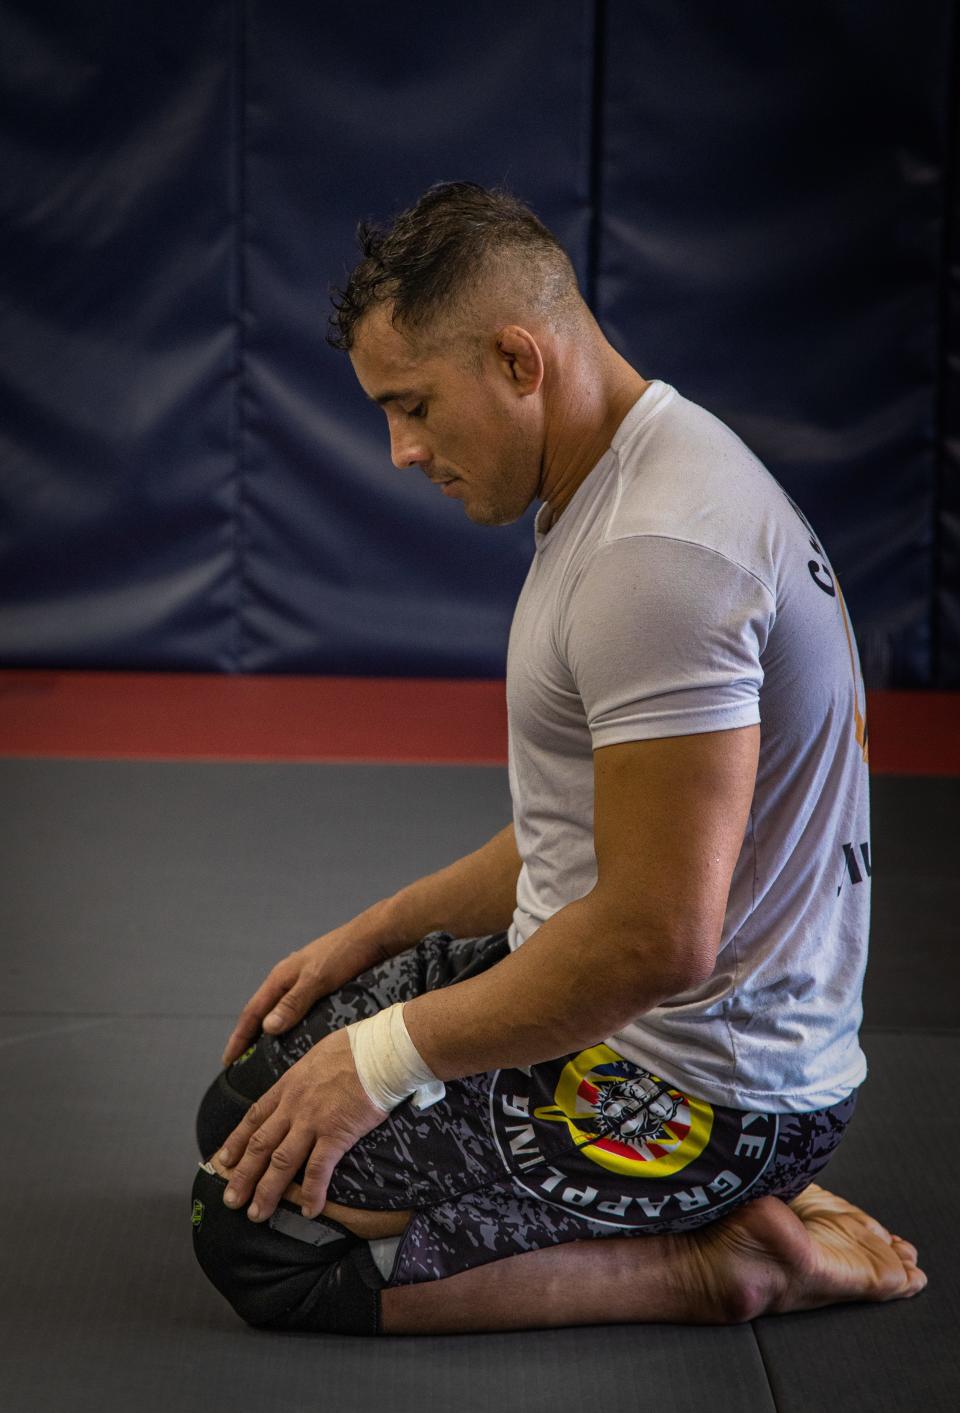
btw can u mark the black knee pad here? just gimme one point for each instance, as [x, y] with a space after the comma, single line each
[230, 1096]
[287, 1273]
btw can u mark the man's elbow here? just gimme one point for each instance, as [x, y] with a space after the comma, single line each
[680, 967]
[662, 957]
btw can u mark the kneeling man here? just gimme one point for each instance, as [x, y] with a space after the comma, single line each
[587, 1073]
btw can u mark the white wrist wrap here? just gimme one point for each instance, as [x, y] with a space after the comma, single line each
[388, 1063]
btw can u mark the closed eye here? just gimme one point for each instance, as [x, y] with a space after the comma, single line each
[419, 411]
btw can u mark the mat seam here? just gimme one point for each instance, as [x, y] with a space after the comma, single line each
[763, 1364]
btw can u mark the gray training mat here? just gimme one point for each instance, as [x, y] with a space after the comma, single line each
[141, 904]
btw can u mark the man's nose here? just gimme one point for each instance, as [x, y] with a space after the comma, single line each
[407, 450]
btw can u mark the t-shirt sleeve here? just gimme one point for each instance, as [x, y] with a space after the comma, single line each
[663, 637]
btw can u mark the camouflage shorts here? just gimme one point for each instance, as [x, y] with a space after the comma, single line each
[511, 1160]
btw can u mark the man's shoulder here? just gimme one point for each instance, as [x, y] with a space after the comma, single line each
[696, 483]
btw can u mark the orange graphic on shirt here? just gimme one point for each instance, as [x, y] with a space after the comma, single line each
[859, 718]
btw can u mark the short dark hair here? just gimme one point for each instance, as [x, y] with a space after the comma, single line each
[437, 250]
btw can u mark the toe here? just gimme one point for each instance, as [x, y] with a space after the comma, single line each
[903, 1245]
[914, 1280]
[905, 1250]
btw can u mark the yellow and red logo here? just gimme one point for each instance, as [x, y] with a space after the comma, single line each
[627, 1120]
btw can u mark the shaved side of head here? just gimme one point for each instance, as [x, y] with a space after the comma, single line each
[462, 263]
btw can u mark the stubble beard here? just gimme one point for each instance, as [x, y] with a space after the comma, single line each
[499, 512]
[509, 500]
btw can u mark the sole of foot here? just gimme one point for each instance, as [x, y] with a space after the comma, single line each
[770, 1257]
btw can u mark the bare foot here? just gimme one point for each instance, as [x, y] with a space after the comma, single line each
[848, 1237]
[770, 1257]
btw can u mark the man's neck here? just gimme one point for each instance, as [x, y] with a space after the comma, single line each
[581, 434]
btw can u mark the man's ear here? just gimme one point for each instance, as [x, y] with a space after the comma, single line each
[520, 359]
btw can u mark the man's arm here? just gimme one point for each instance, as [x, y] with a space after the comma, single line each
[669, 821]
[669, 818]
[472, 896]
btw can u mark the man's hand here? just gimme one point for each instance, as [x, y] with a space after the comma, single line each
[300, 979]
[316, 1111]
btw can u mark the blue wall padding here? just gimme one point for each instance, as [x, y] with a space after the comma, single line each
[770, 244]
[117, 470]
[349, 565]
[754, 198]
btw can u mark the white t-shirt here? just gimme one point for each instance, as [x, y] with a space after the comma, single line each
[682, 591]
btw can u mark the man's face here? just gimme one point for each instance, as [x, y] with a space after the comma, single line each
[469, 430]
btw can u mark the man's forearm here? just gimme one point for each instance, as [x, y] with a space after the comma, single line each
[573, 982]
[475, 895]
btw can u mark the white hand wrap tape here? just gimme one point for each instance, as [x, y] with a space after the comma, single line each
[389, 1065]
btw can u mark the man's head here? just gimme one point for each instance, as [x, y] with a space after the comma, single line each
[440, 263]
[449, 319]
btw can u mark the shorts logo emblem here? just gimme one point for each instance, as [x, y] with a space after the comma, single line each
[627, 1120]
[600, 1136]
[196, 1216]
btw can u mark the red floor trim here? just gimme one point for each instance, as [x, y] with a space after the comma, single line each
[200, 716]
[914, 733]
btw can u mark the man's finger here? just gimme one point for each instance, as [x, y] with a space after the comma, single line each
[289, 1009]
[238, 1042]
[256, 1160]
[284, 1163]
[316, 1179]
[248, 1024]
[236, 1142]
